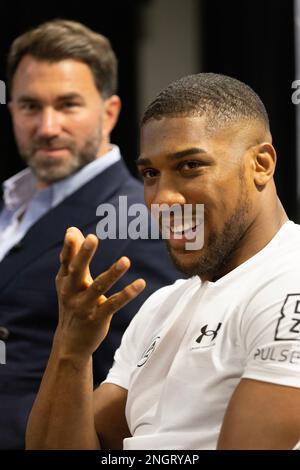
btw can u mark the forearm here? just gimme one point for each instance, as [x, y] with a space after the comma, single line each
[62, 416]
[63, 413]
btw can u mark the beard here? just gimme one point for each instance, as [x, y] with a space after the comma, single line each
[49, 169]
[219, 248]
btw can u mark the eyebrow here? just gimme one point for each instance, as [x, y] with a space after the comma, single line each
[173, 156]
[66, 96]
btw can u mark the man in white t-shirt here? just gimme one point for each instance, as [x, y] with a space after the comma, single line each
[209, 362]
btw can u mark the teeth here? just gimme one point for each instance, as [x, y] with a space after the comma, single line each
[183, 228]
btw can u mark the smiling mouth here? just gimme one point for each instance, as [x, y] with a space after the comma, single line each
[181, 229]
[185, 231]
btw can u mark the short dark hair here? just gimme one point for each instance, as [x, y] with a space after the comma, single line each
[60, 39]
[223, 99]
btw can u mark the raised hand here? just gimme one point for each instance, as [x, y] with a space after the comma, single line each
[85, 312]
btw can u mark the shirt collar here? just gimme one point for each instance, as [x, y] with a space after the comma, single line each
[19, 189]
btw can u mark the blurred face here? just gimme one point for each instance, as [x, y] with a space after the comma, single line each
[60, 120]
[181, 163]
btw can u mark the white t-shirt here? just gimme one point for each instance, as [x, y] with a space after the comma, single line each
[187, 349]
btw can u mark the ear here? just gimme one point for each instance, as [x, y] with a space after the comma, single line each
[264, 162]
[112, 108]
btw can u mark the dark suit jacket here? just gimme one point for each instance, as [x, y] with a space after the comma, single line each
[28, 302]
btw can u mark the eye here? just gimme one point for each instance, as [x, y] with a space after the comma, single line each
[148, 173]
[29, 106]
[190, 166]
[69, 105]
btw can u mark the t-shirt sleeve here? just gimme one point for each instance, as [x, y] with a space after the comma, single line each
[270, 332]
[132, 345]
[125, 356]
[120, 372]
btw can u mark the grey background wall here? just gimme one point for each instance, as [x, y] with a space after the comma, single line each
[169, 45]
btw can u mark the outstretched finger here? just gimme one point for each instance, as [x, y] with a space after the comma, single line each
[72, 242]
[117, 301]
[106, 280]
[79, 272]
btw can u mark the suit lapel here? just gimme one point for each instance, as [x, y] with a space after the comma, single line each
[79, 210]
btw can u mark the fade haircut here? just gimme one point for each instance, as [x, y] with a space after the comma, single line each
[222, 99]
[58, 40]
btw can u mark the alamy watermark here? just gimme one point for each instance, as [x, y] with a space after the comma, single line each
[296, 94]
[2, 352]
[2, 92]
[176, 222]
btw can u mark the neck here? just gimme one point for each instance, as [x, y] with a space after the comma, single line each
[41, 185]
[105, 147]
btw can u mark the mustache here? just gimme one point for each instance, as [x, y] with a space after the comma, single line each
[51, 143]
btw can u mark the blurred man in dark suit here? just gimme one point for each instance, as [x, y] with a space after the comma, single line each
[62, 79]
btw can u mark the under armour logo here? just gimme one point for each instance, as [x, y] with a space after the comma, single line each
[208, 333]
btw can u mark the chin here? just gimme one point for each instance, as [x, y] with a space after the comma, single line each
[55, 172]
[188, 262]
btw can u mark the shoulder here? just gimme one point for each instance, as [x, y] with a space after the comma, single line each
[272, 289]
[277, 271]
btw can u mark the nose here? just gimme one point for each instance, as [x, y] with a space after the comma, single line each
[49, 123]
[167, 192]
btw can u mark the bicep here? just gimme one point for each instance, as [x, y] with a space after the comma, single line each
[109, 410]
[261, 415]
